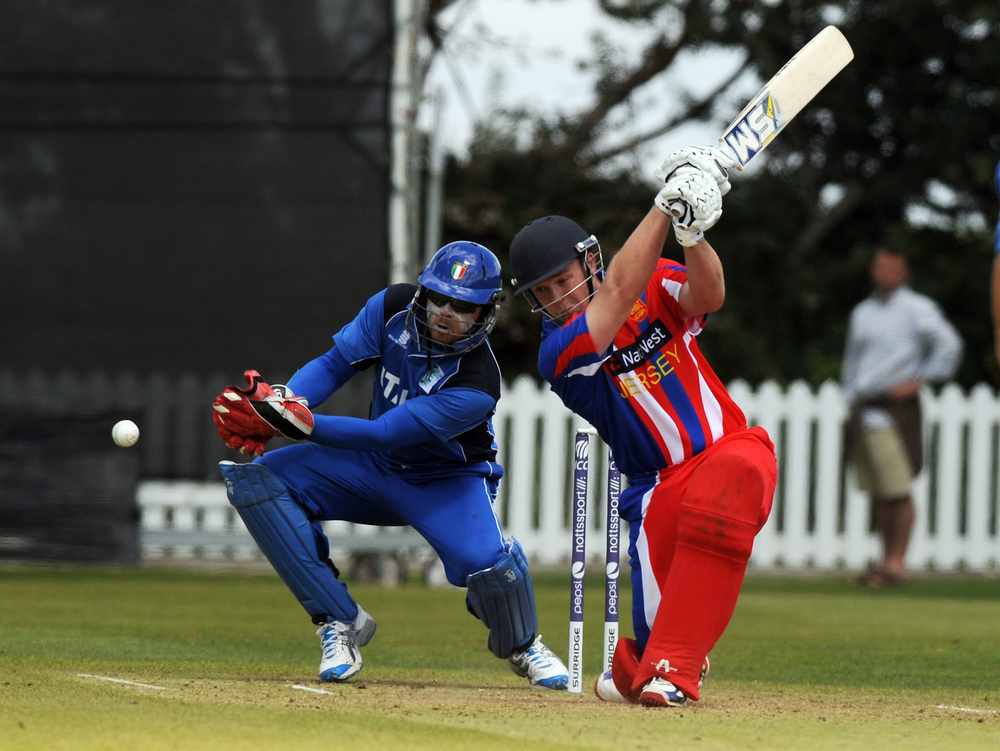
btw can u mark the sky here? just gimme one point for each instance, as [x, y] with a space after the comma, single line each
[524, 52]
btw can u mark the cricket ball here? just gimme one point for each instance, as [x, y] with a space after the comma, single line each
[125, 433]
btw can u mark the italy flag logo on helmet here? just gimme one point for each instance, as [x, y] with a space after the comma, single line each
[458, 269]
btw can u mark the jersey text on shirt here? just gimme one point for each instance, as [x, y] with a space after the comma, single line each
[645, 346]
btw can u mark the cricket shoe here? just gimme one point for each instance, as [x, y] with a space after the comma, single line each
[660, 692]
[364, 628]
[540, 666]
[606, 690]
[340, 642]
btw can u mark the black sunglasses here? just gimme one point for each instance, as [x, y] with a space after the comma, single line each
[459, 306]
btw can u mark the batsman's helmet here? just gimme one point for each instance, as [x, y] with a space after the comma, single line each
[545, 247]
[464, 271]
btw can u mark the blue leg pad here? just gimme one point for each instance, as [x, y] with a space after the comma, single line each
[288, 538]
[503, 598]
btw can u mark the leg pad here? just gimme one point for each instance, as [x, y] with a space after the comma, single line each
[503, 598]
[289, 539]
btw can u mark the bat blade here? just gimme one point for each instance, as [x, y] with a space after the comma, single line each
[783, 97]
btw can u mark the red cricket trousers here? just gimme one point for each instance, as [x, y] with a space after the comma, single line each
[698, 526]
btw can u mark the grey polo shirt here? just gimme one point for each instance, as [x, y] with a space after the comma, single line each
[900, 337]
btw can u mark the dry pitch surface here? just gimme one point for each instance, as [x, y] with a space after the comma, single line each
[226, 662]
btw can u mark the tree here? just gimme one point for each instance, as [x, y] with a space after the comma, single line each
[899, 149]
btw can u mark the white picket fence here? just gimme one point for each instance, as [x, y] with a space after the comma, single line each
[820, 520]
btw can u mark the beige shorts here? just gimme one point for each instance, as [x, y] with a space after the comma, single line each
[884, 469]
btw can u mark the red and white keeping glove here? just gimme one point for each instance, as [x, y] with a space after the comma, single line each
[249, 417]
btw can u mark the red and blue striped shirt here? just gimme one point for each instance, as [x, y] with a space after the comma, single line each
[653, 396]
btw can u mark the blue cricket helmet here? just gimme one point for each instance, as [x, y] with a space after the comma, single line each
[465, 271]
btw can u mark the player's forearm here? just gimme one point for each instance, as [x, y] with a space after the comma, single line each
[396, 429]
[321, 376]
[706, 282]
[636, 261]
[627, 277]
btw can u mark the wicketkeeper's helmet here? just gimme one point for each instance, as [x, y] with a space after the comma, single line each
[465, 271]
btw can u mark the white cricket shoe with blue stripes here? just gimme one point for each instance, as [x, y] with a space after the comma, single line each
[540, 666]
[340, 643]
[661, 692]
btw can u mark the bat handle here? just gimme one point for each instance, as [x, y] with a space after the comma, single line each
[678, 209]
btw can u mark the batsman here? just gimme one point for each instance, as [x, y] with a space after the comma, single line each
[426, 458]
[620, 349]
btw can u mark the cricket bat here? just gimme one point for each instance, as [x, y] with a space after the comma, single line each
[782, 98]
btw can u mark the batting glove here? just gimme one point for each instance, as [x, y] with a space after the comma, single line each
[709, 159]
[693, 201]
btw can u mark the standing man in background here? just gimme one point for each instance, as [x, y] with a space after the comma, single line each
[897, 340]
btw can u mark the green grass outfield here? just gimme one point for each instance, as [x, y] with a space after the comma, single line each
[808, 663]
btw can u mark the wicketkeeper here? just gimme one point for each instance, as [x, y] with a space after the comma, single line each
[426, 458]
[621, 351]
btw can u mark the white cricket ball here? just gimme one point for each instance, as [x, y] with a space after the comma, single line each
[125, 433]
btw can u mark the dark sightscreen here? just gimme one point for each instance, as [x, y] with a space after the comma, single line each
[189, 186]
[68, 493]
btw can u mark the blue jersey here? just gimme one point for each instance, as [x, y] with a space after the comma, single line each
[452, 396]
